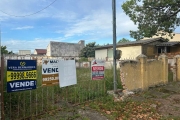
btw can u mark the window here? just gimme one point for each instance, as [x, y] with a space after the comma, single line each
[159, 50]
[168, 50]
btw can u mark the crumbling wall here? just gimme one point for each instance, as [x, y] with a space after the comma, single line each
[142, 74]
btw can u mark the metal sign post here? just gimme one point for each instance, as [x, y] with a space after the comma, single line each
[114, 42]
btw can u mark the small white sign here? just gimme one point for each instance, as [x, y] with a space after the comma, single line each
[67, 73]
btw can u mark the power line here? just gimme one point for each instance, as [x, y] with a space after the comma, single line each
[31, 13]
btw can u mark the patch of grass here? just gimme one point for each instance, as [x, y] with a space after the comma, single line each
[29, 103]
[147, 94]
[165, 96]
[170, 76]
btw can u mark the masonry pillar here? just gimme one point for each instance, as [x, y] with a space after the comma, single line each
[164, 60]
[143, 60]
[177, 68]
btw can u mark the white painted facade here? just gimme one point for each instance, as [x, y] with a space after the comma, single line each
[35, 52]
[101, 54]
[24, 52]
[48, 53]
[130, 52]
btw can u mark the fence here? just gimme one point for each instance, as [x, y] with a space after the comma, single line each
[31, 103]
[1, 91]
[144, 73]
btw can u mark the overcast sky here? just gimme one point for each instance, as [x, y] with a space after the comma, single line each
[64, 21]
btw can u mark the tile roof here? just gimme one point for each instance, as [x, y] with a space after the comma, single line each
[41, 51]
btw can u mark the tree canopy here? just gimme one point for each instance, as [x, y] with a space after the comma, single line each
[153, 17]
[88, 50]
[5, 51]
[123, 40]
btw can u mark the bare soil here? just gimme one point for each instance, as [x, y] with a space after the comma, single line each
[166, 101]
[167, 97]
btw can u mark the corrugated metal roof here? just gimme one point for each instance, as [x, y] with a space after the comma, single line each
[172, 43]
[139, 42]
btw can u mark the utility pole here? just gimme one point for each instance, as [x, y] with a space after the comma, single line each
[114, 42]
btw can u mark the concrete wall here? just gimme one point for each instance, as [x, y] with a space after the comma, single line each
[130, 52]
[101, 54]
[64, 49]
[178, 68]
[48, 53]
[141, 74]
[24, 52]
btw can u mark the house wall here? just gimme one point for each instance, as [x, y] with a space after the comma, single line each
[64, 49]
[175, 49]
[130, 51]
[35, 52]
[24, 52]
[142, 74]
[48, 53]
[101, 54]
[149, 50]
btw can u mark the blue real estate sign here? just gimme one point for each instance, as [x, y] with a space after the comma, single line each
[21, 75]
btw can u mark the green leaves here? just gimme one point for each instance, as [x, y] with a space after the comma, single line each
[123, 40]
[89, 50]
[152, 16]
[5, 51]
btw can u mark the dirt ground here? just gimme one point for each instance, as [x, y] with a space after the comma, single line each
[167, 97]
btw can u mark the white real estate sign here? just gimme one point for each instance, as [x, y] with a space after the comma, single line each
[67, 73]
[50, 73]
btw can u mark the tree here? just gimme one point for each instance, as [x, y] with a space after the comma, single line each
[153, 17]
[89, 50]
[5, 51]
[123, 40]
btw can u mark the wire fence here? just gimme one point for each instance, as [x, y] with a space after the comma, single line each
[31, 103]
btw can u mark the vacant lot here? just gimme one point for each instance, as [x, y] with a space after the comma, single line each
[158, 103]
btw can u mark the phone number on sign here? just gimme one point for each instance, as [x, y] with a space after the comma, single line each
[22, 75]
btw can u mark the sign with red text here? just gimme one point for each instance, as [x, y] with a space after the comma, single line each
[50, 72]
[97, 69]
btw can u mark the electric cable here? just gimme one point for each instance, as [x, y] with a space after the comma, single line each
[31, 13]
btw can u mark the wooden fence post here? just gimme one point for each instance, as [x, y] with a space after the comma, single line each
[2, 87]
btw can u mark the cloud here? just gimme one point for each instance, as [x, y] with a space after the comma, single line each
[99, 24]
[23, 28]
[34, 10]
[37, 43]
